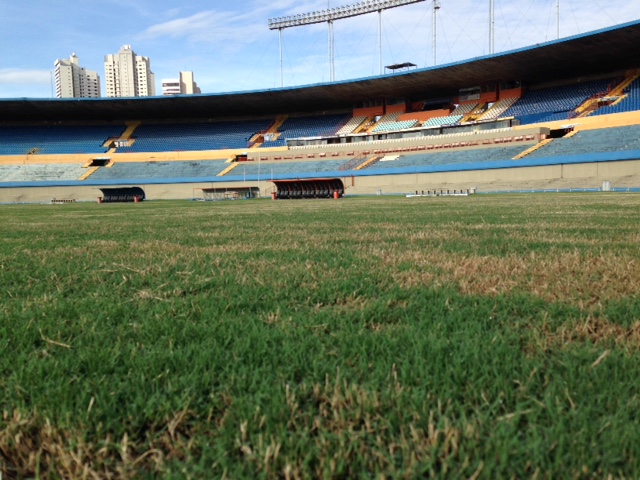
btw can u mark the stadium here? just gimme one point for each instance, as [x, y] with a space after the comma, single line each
[446, 285]
[555, 116]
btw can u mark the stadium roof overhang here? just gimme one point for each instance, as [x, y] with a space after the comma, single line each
[603, 51]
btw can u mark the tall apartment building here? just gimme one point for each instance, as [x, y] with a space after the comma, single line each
[180, 86]
[128, 74]
[73, 81]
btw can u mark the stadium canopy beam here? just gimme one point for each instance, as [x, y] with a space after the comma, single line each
[332, 14]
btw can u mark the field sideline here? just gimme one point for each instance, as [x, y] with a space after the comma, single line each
[492, 336]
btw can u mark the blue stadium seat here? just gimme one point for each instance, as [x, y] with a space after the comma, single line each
[452, 157]
[299, 127]
[286, 168]
[555, 100]
[630, 104]
[40, 172]
[155, 170]
[195, 137]
[592, 141]
[56, 139]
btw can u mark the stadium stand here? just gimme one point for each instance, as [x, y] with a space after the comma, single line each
[195, 136]
[351, 125]
[301, 127]
[629, 104]
[452, 157]
[554, 103]
[286, 168]
[389, 118]
[142, 170]
[394, 126]
[593, 141]
[354, 163]
[497, 109]
[440, 121]
[56, 139]
[464, 109]
[40, 172]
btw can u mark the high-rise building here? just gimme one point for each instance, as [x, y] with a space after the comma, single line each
[128, 74]
[180, 86]
[73, 81]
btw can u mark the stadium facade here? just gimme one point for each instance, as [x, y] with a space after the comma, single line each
[564, 114]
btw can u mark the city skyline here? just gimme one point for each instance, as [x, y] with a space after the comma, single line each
[230, 48]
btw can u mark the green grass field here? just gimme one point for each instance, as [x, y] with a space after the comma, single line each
[481, 337]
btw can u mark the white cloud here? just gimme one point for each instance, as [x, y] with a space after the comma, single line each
[16, 76]
[211, 27]
[241, 27]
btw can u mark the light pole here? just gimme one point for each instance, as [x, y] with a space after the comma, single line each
[558, 19]
[436, 7]
[281, 72]
[491, 26]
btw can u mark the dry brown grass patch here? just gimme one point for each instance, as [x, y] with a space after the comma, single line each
[594, 330]
[585, 280]
[31, 447]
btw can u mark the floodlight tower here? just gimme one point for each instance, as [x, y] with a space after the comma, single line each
[558, 19]
[380, 39]
[436, 7]
[332, 52]
[491, 26]
[281, 76]
[329, 16]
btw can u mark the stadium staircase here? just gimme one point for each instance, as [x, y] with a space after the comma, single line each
[591, 104]
[228, 169]
[384, 120]
[618, 100]
[497, 109]
[619, 92]
[474, 113]
[124, 136]
[131, 127]
[369, 162]
[571, 133]
[88, 173]
[464, 110]
[354, 163]
[365, 126]
[631, 76]
[534, 148]
[258, 139]
[353, 124]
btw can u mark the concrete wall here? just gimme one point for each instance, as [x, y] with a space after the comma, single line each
[583, 175]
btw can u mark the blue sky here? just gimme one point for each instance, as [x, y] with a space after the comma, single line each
[229, 47]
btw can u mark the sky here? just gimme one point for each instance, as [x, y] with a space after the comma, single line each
[229, 47]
